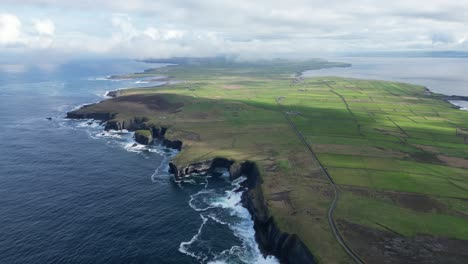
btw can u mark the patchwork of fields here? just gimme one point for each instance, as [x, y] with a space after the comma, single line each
[398, 153]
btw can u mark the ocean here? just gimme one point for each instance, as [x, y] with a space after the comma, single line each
[72, 193]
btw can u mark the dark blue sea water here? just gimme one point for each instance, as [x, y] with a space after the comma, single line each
[70, 193]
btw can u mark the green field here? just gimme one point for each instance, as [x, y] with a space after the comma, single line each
[398, 153]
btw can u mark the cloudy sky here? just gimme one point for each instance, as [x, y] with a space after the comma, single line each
[246, 28]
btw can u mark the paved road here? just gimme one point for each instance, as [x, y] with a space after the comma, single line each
[331, 220]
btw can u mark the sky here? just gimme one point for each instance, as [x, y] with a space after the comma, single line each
[52, 29]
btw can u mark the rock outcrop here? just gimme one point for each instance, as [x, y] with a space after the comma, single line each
[144, 137]
[131, 124]
[113, 93]
[173, 144]
[159, 132]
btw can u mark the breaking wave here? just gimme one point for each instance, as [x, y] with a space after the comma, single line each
[462, 104]
[222, 214]
[121, 138]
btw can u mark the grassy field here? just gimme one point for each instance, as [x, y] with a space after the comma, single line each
[398, 153]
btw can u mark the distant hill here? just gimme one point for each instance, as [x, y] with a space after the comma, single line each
[411, 54]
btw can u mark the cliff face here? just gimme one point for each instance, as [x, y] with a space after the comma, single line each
[96, 116]
[130, 124]
[288, 248]
[199, 167]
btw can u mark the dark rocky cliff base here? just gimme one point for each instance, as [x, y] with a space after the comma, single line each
[288, 248]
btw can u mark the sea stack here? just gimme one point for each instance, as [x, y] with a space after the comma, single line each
[144, 137]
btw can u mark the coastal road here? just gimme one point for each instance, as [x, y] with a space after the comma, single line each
[331, 210]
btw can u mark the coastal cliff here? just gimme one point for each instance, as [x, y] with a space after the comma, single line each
[145, 132]
[288, 248]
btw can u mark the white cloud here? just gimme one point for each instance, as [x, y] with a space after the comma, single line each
[272, 28]
[16, 36]
[10, 29]
[163, 34]
[45, 27]
[124, 23]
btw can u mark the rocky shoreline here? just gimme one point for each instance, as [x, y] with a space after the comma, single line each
[447, 98]
[288, 248]
[454, 98]
[145, 133]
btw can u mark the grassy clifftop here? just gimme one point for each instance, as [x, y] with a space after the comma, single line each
[398, 153]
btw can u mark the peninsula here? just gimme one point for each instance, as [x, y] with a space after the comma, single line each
[339, 170]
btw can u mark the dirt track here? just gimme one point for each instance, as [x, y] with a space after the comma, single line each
[331, 220]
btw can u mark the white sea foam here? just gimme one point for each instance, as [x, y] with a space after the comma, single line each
[198, 201]
[79, 106]
[185, 246]
[163, 167]
[244, 230]
[89, 123]
[102, 94]
[462, 104]
[225, 208]
[98, 79]
[135, 147]
[160, 149]
[216, 219]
